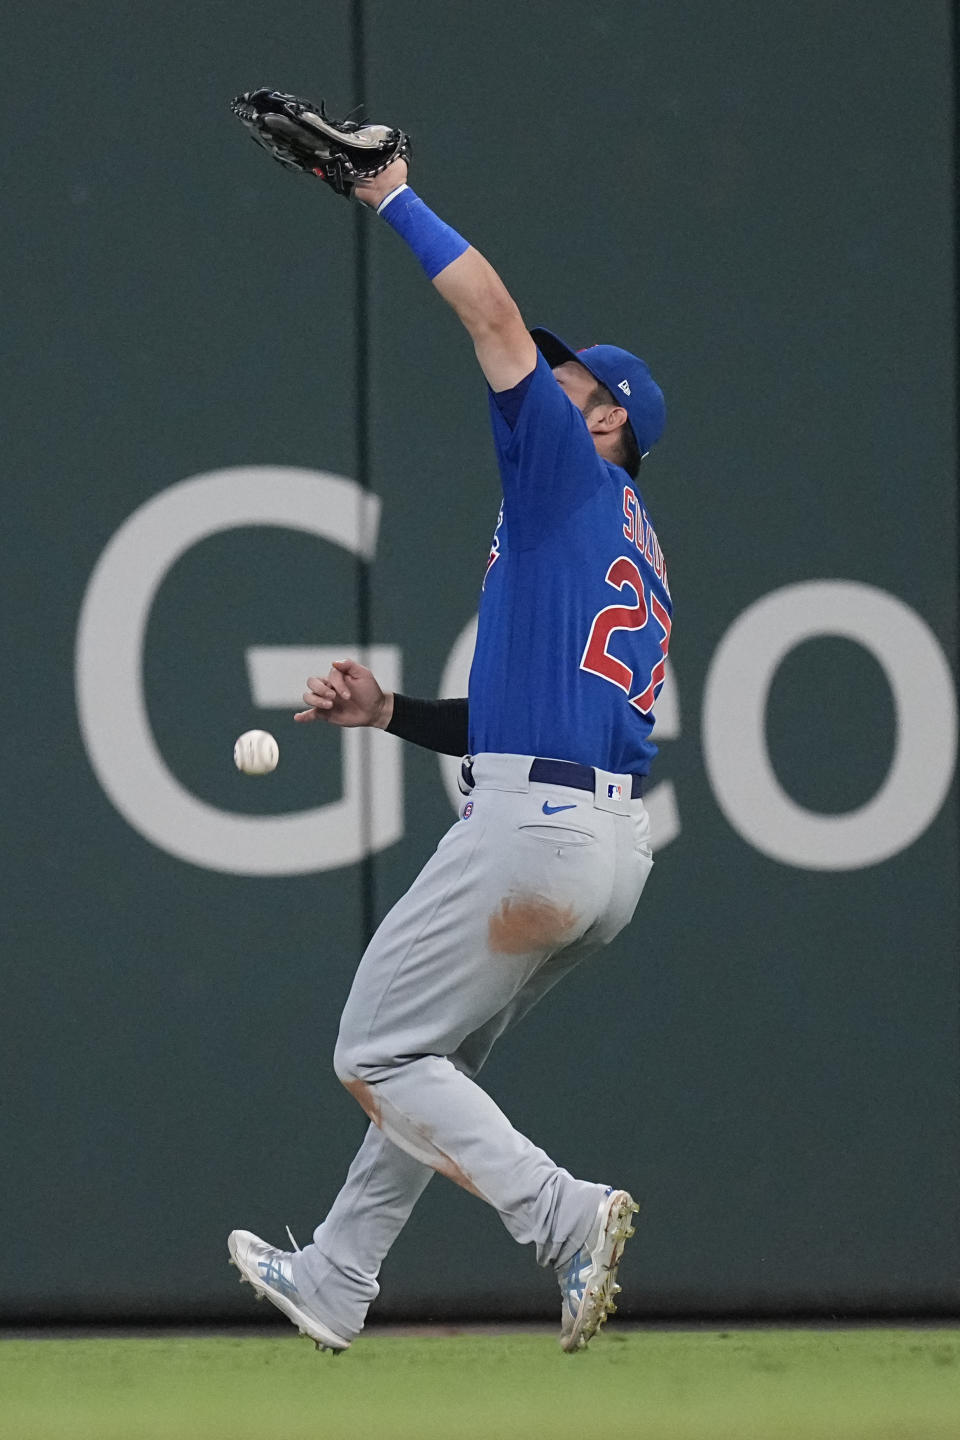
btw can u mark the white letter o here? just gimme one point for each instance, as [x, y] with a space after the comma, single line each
[734, 725]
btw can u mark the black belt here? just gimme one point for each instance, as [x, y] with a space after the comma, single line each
[579, 777]
[565, 772]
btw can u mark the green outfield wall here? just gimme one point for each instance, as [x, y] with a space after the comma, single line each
[242, 436]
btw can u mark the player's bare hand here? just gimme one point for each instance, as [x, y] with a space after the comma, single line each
[371, 192]
[348, 695]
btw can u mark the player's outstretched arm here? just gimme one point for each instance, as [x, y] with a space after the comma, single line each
[466, 280]
[350, 695]
[472, 287]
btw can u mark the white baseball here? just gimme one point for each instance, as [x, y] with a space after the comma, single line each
[256, 752]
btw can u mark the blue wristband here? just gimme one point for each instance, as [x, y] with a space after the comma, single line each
[435, 244]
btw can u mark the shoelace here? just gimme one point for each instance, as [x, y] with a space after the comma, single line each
[292, 1240]
[572, 1284]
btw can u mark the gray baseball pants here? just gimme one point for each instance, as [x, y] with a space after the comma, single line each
[530, 880]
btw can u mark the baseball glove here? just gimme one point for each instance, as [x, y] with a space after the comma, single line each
[303, 137]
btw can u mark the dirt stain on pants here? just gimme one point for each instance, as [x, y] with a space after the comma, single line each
[424, 1149]
[525, 923]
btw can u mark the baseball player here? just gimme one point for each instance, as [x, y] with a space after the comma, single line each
[552, 849]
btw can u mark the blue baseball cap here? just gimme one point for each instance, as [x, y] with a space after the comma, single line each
[626, 376]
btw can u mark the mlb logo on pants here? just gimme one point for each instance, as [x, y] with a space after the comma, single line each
[614, 792]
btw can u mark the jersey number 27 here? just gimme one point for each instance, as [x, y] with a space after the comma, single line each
[625, 574]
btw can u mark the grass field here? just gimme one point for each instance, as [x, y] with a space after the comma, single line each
[878, 1384]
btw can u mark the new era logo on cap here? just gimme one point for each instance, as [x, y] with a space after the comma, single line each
[624, 386]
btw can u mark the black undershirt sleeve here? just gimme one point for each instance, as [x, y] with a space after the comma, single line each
[435, 724]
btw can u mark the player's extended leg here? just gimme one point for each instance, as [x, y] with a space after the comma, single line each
[338, 1272]
[504, 892]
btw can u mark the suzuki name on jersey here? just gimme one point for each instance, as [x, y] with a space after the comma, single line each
[641, 533]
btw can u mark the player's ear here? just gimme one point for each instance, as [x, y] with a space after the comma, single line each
[613, 419]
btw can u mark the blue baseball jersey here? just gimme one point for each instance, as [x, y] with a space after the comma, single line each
[575, 611]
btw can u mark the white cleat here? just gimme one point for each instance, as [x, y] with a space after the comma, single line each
[588, 1281]
[269, 1272]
